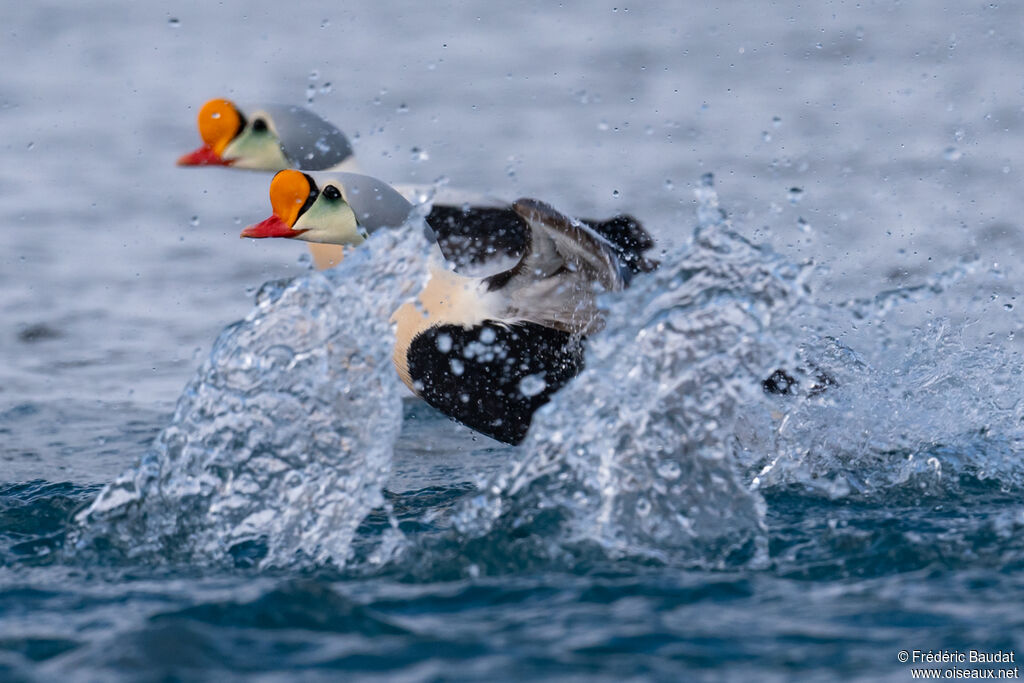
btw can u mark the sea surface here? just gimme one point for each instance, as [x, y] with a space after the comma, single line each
[209, 471]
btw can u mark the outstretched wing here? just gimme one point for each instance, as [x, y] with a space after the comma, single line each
[563, 268]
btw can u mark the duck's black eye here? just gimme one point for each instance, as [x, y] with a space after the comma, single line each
[331, 192]
[259, 125]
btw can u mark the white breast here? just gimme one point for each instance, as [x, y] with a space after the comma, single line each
[447, 299]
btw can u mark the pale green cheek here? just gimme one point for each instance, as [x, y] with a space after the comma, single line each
[256, 151]
[330, 223]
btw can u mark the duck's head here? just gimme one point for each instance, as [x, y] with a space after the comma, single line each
[303, 211]
[270, 138]
[232, 139]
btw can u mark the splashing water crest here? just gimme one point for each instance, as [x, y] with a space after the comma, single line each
[886, 301]
[635, 456]
[912, 408]
[282, 442]
[917, 416]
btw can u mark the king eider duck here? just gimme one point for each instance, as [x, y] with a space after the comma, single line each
[486, 350]
[270, 137]
[469, 236]
[276, 137]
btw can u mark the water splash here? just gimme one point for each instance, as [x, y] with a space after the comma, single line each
[282, 442]
[914, 417]
[913, 409]
[635, 457]
[660, 450]
[884, 302]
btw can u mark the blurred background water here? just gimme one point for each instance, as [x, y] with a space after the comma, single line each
[876, 147]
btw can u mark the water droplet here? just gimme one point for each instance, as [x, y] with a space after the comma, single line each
[794, 195]
[804, 226]
[669, 469]
[669, 185]
[776, 121]
[403, 108]
[324, 23]
[531, 385]
[174, 22]
[215, 115]
[444, 343]
[1008, 307]
[615, 193]
[314, 74]
[326, 88]
[194, 221]
[419, 154]
[457, 367]
[30, 145]
[952, 154]
[707, 180]
[603, 125]
[766, 136]
[488, 335]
